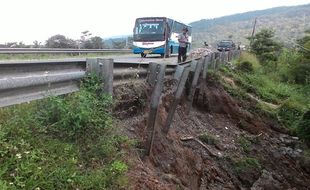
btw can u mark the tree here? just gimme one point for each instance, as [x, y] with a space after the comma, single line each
[16, 45]
[60, 41]
[264, 46]
[301, 70]
[129, 42]
[304, 46]
[119, 44]
[36, 44]
[95, 42]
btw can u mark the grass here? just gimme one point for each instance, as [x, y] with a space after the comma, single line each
[62, 143]
[246, 163]
[208, 138]
[245, 144]
[291, 100]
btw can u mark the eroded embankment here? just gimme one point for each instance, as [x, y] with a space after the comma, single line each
[218, 144]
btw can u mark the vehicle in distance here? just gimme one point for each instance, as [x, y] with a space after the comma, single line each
[226, 45]
[157, 35]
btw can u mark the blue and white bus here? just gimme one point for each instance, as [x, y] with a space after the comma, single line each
[157, 35]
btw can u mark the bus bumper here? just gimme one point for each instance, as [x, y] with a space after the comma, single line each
[159, 50]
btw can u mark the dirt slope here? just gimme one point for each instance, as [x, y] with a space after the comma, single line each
[217, 145]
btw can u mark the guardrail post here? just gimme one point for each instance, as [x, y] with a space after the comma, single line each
[159, 79]
[92, 66]
[178, 72]
[213, 60]
[152, 74]
[193, 66]
[106, 72]
[194, 82]
[216, 60]
[181, 84]
[230, 55]
[222, 58]
[205, 66]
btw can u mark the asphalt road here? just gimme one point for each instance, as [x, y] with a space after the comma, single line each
[149, 58]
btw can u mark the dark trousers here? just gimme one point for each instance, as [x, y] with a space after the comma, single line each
[182, 54]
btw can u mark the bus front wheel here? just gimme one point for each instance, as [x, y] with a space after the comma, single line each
[143, 55]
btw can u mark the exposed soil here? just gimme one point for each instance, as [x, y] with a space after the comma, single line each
[248, 151]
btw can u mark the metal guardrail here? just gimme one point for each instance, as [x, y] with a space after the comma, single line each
[59, 51]
[24, 81]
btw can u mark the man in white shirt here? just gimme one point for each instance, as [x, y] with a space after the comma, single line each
[183, 42]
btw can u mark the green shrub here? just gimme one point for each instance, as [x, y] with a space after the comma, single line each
[207, 138]
[77, 113]
[245, 56]
[62, 143]
[303, 129]
[290, 112]
[301, 73]
[245, 66]
[245, 144]
[246, 163]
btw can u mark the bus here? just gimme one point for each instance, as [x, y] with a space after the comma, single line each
[157, 35]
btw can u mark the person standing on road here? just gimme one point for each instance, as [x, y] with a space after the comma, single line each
[183, 43]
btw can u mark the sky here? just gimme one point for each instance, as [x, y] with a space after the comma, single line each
[30, 20]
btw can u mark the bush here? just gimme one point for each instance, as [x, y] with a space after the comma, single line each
[290, 113]
[77, 113]
[245, 66]
[303, 129]
[207, 138]
[246, 164]
[62, 143]
[244, 143]
[301, 73]
[250, 58]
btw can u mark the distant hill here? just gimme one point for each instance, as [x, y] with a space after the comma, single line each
[289, 24]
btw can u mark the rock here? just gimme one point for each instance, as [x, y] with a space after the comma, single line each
[219, 155]
[295, 138]
[305, 164]
[299, 150]
[219, 146]
[276, 154]
[289, 141]
[266, 182]
[171, 178]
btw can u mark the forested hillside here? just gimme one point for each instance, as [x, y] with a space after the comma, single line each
[289, 23]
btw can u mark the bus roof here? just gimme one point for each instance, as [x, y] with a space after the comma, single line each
[165, 19]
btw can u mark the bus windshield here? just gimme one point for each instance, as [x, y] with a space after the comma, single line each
[149, 29]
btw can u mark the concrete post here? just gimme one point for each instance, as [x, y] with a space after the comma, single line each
[155, 98]
[106, 73]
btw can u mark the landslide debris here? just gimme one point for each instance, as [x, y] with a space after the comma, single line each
[218, 144]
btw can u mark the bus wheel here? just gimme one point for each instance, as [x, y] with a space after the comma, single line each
[162, 55]
[143, 55]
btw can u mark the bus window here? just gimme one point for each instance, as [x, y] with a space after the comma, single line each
[149, 29]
